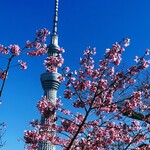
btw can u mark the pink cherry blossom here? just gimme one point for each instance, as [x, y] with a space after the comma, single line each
[67, 69]
[3, 50]
[28, 44]
[66, 112]
[61, 50]
[35, 123]
[79, 104]
[3, 75]
[15, 50]
[43, 32]
[147, 52]
[79, 118]
[41, 35]
[46, 108]
[133, 70]
[68, 94]
[61, 78]
[32, 137]
[111, 71]
[102, 84]
[144, 64]
[136, 125]
[137, 59]
[39, 52]
[22, 64]
[53, 62]
[37, 45]
[126, 42]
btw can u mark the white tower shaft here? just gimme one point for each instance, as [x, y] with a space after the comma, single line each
[49, 80]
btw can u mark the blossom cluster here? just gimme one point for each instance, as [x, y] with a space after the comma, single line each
[15, 50]
[40, 49]
[3, 49]
[46, 107]
[38, 44]
[32, 137]
[22, 64]
[53, 62]
[42, 34]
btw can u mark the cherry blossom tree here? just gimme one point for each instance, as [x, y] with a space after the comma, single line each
[37, 47]
[11, 56]
[111, 110]
[108, 109]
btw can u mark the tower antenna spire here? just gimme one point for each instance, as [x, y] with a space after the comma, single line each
[55, 22]
[54, 36]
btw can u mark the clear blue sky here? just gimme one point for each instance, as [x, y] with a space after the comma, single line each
[98, 23]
